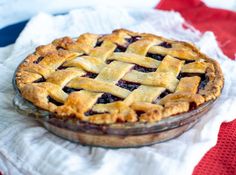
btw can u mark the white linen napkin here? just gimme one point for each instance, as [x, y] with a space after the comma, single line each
[27, 148]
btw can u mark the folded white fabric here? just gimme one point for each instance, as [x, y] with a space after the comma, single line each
[28, 148]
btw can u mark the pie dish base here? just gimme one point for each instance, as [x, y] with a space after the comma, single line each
[112, 141]
[115, 136]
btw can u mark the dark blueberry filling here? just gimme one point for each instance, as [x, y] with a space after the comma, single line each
[128, 85]
[54, 101]
[38, 60]
[192, 105]
[99, 43]
[163, 94]
[130, 40]
[139, 113]
[133, 39]
[120, 48]
[69, 90]
[90, 75]
[91, 112]
[182, 75]
[204, 81]
[144, 69]
[42, 79]
[61, 67]
[59, 47]
[165, 44]
[189, 61]
[155, 56]
[109, 61]
[108, 98]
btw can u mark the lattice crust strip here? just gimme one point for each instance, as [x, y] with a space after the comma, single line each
[121, 77]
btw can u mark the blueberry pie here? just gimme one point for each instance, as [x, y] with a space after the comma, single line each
[122, 77]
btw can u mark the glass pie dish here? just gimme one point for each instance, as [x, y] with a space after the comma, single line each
[112, 135]
[124, 89]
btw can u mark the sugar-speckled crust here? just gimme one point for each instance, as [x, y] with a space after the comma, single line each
[65, 61]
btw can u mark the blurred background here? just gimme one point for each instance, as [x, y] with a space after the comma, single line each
[12, 11]
[14, 15]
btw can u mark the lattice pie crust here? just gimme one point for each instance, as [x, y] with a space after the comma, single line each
[119, 77]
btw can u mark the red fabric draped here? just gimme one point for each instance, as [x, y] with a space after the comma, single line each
[221, 22]
[221, 159]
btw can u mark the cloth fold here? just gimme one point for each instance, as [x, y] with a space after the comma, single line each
[28, 148]
[221, 22]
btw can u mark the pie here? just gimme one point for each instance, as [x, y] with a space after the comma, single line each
[122, 77]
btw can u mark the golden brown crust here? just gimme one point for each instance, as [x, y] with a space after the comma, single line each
[39, 77]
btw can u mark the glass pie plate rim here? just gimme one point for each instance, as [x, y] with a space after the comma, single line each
[136, 128]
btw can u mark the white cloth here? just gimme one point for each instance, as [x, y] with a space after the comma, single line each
[28, 148]
[24, 9]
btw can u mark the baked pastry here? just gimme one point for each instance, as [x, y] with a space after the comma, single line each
[123, 77]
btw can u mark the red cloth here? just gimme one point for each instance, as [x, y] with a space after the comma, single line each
[196, 13]
[221, 159]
